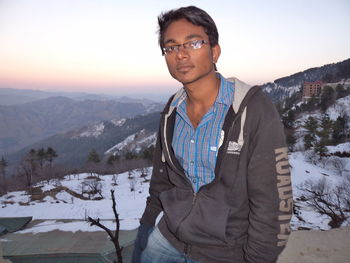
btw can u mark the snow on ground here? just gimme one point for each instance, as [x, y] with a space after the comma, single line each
[340, 107]
[51, 225]
[343, 147]
[130, 205]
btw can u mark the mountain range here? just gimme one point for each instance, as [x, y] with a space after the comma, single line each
[25, 124]
[73, 146]
[10, 96]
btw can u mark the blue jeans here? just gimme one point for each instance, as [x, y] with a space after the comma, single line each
[159, 250]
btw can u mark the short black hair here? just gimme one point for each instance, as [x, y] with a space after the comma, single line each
[193, 15]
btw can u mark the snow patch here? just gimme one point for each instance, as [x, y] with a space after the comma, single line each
[93, 131]
[118, 123]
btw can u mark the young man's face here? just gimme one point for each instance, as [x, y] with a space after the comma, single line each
[189, 65]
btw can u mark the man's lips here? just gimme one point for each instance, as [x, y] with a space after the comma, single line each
[184, 68]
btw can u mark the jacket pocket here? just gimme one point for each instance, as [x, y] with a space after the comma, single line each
[206, 222]
[177, 204]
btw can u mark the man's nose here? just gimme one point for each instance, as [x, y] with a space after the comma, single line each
[182, 53]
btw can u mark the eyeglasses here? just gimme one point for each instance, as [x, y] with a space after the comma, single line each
[190, 45]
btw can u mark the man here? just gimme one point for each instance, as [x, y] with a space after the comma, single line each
[220, 173]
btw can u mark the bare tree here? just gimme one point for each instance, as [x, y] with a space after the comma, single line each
[113, 235]
[28, 167]
[91, 187]
[338, 164]
[114, 179]
[133, 183]
[326, 200]
[130, 174]
[345, 189]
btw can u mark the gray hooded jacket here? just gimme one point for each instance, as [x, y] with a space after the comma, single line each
[243, 215]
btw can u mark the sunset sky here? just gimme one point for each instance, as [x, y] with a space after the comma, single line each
[110, 46]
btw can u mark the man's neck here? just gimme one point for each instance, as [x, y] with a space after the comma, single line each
[203, 92]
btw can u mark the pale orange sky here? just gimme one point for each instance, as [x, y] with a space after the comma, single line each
[111, 46]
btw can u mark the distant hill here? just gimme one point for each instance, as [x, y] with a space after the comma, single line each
[13, 99]
[25, 124]
[73, 146]
[286, 86]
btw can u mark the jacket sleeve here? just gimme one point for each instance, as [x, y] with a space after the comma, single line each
[269, 187]
[159, 183]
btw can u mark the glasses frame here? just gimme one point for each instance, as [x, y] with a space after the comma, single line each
[190, 45]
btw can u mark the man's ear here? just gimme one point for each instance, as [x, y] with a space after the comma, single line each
[216, 51]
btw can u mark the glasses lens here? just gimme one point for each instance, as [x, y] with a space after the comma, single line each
[196, 44]
[171, 49]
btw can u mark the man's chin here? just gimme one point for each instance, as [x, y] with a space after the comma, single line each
[189, 77]
[189, 80]
[184, 79]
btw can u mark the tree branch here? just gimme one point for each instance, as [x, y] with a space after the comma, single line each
[114, 236]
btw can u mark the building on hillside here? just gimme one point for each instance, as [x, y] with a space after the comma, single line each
[312, 89]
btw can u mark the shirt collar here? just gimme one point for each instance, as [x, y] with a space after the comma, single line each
[225, 95]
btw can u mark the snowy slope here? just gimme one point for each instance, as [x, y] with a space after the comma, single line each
[134, 143]
[302, 171]
[93, 131]
[341, 107]
[130, 205]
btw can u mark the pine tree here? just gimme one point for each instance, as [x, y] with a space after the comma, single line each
[111, 159]
[308, 141]
[41, 157]
[311, 126]
[340, 91]
[50, 155]
[3, 185]
[339, 129]
[148, 153]
[320, 148]
[3, 165]
[327, 97]
[130, 155]
[326, 129]
[290, 141]
[93, 157]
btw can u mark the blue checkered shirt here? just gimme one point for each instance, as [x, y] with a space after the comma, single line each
[197, 149]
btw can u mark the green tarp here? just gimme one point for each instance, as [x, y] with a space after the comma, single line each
[65, 247]
[12, 224]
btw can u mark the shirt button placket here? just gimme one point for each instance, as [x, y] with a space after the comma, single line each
[192, 150]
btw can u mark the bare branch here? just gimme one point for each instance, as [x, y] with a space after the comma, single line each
[114, 236]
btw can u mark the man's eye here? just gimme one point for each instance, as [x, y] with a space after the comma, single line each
[171, 48]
